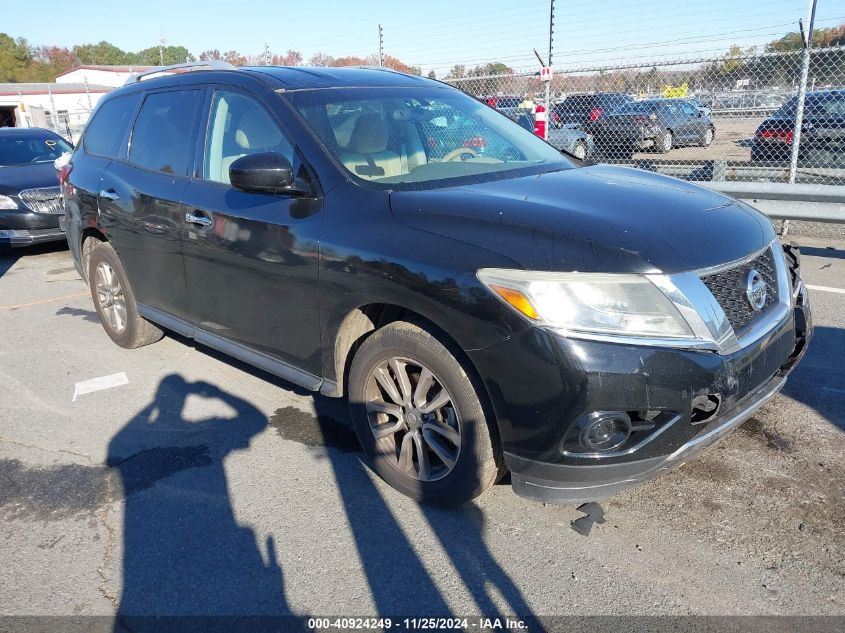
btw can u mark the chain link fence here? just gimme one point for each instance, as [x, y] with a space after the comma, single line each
[733, 117]
[68, 124]
[729, 118]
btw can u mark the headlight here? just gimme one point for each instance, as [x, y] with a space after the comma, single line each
[607, 304]
[8, 203]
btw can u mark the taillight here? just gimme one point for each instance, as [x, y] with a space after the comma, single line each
[477, 142]
[784, 136]
[595, 113]
[64, 173]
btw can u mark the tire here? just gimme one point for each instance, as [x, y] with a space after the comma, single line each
[707, 138]
[664, 142]
[412, 438]
[115, 302]
[580, 150]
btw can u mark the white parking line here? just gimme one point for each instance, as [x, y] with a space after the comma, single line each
[840, 291]
[98, 384]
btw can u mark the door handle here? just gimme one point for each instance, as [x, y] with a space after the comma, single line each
[197, 219]
[109, 194]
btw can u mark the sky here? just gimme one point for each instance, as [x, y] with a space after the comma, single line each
[434, 34]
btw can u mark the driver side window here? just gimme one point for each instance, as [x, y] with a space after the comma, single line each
[239, 126]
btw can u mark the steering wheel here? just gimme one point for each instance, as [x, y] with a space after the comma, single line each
[459, 151]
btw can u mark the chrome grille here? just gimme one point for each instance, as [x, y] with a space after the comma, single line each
[729, 288]
[43, 200]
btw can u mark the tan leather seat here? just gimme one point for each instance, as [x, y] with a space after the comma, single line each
[255, 133]
[367, 155]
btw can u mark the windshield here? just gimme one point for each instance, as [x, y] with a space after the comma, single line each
[421, 137]
[29, 150]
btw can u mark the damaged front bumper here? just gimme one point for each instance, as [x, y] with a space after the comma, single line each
[552, 383]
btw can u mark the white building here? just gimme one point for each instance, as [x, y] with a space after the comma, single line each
[62, 107]
[113, 76]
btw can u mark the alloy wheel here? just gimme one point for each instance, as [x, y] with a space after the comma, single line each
[413, 419]
[110, 297]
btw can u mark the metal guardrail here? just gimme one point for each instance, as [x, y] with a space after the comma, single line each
[783, 201]
[820, 198]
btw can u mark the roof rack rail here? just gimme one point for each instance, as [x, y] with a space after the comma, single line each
[211, 64]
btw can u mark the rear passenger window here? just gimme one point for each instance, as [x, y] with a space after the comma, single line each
[107, 129]
[162, 136]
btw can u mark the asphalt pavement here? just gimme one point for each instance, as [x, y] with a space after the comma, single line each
[196, 485]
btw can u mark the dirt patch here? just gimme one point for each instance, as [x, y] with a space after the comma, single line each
[766, 434]
[51, 493]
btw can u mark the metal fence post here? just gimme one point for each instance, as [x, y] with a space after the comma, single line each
[53, 116]
[802, 91]
[548, 99]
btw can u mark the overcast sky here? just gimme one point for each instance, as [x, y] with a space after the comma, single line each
[434, 34]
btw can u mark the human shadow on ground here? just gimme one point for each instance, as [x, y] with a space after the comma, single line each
[187, 563]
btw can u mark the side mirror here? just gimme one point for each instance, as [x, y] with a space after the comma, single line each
[267, 172]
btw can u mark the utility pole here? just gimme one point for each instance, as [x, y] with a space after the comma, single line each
[549, 83]
[802, 89]
[266, 54]
[380, 46]
[161, 42]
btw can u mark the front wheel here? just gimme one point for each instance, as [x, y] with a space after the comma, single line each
[580, 150]
[708, 137]
[419, 417]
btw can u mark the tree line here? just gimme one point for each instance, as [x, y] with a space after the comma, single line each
[20, 61]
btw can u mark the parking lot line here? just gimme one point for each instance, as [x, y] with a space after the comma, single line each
[99, 384]
[840, 291]
[35, 303]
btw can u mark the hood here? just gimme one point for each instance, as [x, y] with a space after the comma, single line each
[601, 218]
[17, 177]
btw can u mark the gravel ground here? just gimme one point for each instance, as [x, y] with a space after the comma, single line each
[204, 487]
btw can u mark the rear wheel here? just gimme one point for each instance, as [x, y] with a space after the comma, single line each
[115, 302]
[419, 418]
[580, 150]
[663, 142]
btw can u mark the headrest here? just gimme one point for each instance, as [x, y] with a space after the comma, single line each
[256, 131]
[369, 135]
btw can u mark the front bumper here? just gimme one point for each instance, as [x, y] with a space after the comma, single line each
[538, 406]
[572, 484]
[21, 228]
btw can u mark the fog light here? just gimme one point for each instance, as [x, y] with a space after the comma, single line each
[605, 431]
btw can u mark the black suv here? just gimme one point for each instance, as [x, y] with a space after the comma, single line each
[586, 110]
[585, 327]
[657, 123]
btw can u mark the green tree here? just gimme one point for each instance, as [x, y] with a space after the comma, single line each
[153, 55]
[458, 71]
[104, 53]
[15, 58]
